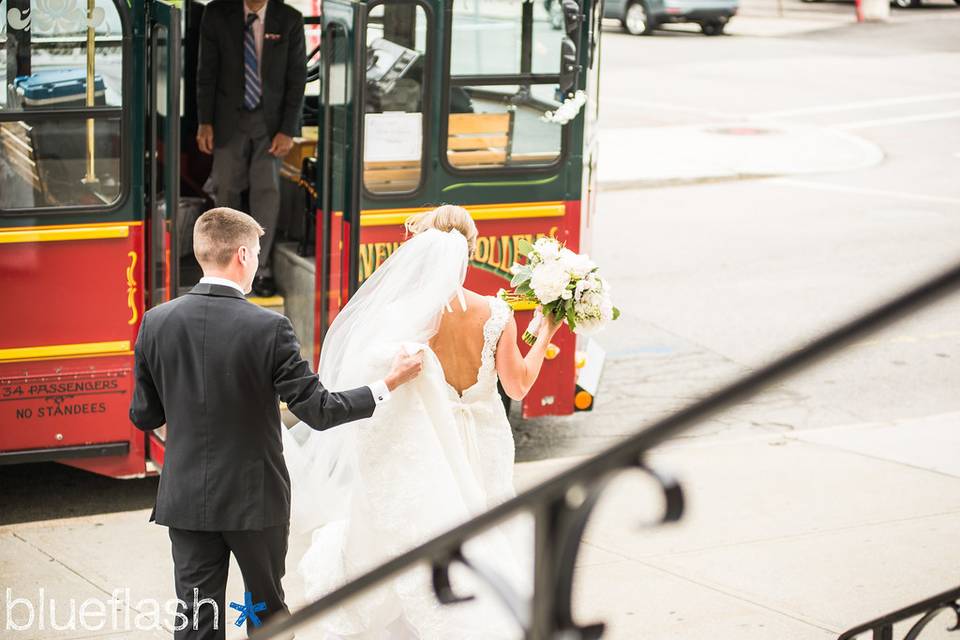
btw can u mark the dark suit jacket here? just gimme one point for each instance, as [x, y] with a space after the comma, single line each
[211, 366]
[220, 71]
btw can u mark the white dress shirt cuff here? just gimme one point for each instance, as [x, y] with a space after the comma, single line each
[380, 392]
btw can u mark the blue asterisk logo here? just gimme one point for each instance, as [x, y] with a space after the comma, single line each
[248, 610]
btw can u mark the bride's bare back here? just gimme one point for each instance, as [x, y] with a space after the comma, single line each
[459, 340]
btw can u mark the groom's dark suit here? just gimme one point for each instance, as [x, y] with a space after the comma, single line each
[211, 366]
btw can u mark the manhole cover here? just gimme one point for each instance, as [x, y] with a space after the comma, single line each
[743, 131]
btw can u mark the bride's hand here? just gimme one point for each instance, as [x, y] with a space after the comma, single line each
[548, 326]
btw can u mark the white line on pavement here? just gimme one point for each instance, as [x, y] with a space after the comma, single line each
[853, 106]
[823, 186]
[884, 122]
[666, 106]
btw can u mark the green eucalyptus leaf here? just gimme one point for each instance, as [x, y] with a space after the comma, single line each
[524, 247]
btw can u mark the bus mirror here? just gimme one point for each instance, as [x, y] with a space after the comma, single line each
[569, 68]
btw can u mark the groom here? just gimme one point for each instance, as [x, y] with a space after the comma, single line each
[211, 366]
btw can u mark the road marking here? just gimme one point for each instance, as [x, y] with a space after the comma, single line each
[666, 106]
[903, 195]
[854, 106]
[884, 122]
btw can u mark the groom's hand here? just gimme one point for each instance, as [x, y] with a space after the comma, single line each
[405, 368]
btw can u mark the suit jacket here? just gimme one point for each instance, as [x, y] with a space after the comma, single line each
[212, 366]
[220, 70]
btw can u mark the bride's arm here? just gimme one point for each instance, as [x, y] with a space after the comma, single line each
[518, 372]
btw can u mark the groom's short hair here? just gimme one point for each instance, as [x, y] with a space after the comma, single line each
[219, 232]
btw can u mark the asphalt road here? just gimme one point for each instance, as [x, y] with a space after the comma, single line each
[716, 278]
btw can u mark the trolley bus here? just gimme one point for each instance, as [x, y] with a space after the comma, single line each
[409, 104]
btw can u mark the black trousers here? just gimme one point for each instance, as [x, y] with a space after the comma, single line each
[243, 164]
[201, 560]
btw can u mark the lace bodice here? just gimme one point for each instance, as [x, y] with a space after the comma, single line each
[500, 313]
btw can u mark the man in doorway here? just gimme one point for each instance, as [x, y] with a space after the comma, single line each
[250, 85]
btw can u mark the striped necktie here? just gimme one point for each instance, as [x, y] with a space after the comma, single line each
[252, 90]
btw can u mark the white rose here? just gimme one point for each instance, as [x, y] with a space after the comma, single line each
[592, 299]
[581, 265]
[582, 285]
[548, 248]
[606, 309]
[589, 326]
[549, 281]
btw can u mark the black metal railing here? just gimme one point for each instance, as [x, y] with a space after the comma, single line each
[882, 628]
[562, 505]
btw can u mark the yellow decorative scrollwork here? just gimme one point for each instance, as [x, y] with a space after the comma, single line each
[132, 289]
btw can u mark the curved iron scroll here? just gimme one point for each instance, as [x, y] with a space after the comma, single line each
[570, 519]
[508, 596]
[882, 628]
[567, 522]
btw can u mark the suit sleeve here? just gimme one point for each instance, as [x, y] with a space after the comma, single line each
[300, 388]
[295, 81]
[208, 67]
[146, 408]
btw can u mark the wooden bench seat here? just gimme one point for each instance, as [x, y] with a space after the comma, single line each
[477, 140]
[392, 176]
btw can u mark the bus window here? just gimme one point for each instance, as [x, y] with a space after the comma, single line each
[501, 127]
[397, 36]
[48, 160]
[487, 39]
[504, 76]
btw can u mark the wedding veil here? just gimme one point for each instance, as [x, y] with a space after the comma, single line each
[400, 304]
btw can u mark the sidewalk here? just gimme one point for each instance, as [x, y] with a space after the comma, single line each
[726, 150]
[786, 536]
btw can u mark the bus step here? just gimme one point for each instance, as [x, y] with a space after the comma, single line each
[274, 303]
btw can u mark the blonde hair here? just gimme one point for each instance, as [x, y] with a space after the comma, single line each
[219, 232]
[446, 217]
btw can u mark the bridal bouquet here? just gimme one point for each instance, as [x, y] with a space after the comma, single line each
[565, 284]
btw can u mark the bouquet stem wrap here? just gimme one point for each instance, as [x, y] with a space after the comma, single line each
[530, 335]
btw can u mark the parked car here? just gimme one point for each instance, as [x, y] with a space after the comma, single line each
[901, 4]
[640, 17]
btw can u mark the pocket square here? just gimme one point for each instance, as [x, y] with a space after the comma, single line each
[271, 36]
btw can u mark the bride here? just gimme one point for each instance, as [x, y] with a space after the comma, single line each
[438, 452]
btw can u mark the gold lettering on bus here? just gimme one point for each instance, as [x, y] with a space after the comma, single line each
[495, 254]
[372, 255]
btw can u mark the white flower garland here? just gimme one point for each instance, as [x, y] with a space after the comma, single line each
[566, 111]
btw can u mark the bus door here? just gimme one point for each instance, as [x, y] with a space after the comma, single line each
[163, 170]
[340, 161]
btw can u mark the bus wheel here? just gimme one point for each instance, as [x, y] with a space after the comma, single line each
[907, 4]
[712, 28]
[636, 20]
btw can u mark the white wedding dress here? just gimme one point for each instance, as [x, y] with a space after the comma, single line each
[426, 461]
